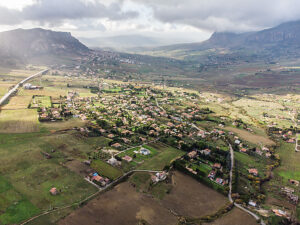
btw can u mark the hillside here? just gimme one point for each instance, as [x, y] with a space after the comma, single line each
[22, 45]
[272, 43]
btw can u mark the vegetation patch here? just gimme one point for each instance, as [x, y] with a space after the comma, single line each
[106, 170]
[19, 121]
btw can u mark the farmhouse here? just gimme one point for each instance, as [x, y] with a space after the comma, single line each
[53, 191]
[127, 158]
[253, 171]
[192, 154]
[144, 151]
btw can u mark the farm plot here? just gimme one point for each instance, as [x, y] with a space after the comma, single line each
[266, 111]
[18, 102]
[139, 158]
[190, 198]
[28, 176]
[14, 202]
[250, 137]
[105, 169]
[40, 101]
[133, 207]
[130, 206]
[166, 154]
[248, 162]
[19, 121]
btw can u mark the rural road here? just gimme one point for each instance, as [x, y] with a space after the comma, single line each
[15, 88]
[230, 189]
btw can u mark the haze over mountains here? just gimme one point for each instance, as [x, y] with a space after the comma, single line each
[123, 42]
[284, 35]
[21, 44]
[282, 40]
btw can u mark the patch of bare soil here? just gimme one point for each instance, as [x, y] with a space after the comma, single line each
[123, 205]
[190, 198]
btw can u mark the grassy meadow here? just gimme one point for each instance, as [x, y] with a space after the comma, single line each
[19, 121]
[27, 176]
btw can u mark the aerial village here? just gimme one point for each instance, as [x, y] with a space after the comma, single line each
[133, 116]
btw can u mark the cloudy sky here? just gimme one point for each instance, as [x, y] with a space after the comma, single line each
[173, 20]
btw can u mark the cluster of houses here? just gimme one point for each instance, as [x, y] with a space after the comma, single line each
[50, 114]
[97, 179]
[127, 112]
[216, 167]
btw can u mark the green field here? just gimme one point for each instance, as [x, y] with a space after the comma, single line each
[26, 176]
[98, 141]
[139, 158]
[248, 162]
[290, 166]
[166, 154]
[41, 101]
[19, 121]
[106, 170]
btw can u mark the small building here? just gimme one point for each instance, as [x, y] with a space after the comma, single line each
[253, 171]
[217, 166]
[127, 158]
[53, 191]
[243, 150]
[205, 151]
[159, 177]
[252, 203]
[192, 154]
[212, 174]
[96, 177]
[116, 145]
[145, 151]
[113, 161]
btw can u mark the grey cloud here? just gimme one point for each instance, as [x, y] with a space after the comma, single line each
[8, 16]
[225, 15]
[56, 11]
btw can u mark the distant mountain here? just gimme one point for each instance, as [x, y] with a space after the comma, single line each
[123, 42]
[28, 44]
[275, 42]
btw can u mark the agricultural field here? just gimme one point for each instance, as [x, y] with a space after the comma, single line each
[132, 206]
[289, 169]
[19, 121]
[137, 157]
[166, 154]
[257, 139]
[106, 170]
[248, 162]
[268, 112]
[30, 175]
[17, 102]
[40, 101]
